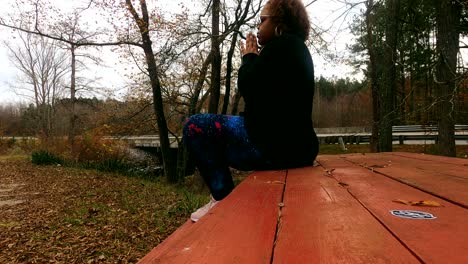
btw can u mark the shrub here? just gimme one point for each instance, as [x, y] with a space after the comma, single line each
[91, 150]
[111, 165]
[43, 157]
[94, 147]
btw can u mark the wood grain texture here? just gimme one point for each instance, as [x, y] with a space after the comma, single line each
[438, 159]
[337, 213]
[322, 223]
[240, 229]
[436, 177]
[440, 240]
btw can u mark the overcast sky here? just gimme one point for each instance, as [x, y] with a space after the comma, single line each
[323, 13]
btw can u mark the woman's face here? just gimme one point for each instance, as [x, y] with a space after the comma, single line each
[266, 27]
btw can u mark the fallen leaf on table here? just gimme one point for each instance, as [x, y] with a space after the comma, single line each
[418, 203]
[276, 182]
[402, 201]
[329, 172]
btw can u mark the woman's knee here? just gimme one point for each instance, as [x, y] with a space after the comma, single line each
[192, 126]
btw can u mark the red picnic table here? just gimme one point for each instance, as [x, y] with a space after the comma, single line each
[353, 208]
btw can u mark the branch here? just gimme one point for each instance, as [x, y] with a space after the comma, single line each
[132, 10]
[75, 43]
[144, 11]
[307, 5]
[145, 72]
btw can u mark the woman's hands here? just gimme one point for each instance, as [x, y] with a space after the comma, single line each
[251, 45]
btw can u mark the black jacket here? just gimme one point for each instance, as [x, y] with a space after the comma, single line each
[278, 90]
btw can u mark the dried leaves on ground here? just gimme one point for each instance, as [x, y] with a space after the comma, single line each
[67, 215]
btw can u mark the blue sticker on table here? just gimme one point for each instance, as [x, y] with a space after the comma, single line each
[410, 214]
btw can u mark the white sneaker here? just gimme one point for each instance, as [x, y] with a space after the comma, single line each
[195, 216]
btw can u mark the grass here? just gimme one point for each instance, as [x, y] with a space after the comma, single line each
[12, 157]
[81, 215]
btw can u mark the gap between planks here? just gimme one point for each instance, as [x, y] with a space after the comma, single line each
[405, 182]
[384, 225]
[278, 220]
[330, 174]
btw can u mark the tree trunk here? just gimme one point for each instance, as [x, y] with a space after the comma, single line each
[215, 85]
[72, 129]
[169, 169]
[374, 139]
[199, 86]
[235, 104]
[448, 20]
[239, 21]
[317, 106]
[227, 93]
[184, 164]
[388, 88]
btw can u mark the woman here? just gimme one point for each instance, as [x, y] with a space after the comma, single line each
[276, 81]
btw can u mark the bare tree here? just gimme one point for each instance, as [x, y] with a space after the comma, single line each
[71, 31]
[232, 15]
[240, 16]
[142, 21]
[43, 66]
[215, 88]
[67, 34]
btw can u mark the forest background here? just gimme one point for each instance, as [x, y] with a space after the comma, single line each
[408, 56]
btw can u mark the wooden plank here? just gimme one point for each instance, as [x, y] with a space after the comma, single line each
[440, 240]
[448, 160]
[322, 223]
[240, 229]
[442, 179]
[434, 166]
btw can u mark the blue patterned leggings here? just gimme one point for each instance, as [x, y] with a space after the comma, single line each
[217, 142]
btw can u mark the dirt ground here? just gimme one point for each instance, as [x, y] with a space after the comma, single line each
[65, 215]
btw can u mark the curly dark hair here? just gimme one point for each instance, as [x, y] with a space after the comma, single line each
[291, 17]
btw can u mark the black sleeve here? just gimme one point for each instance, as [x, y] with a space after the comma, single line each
[256, 69]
